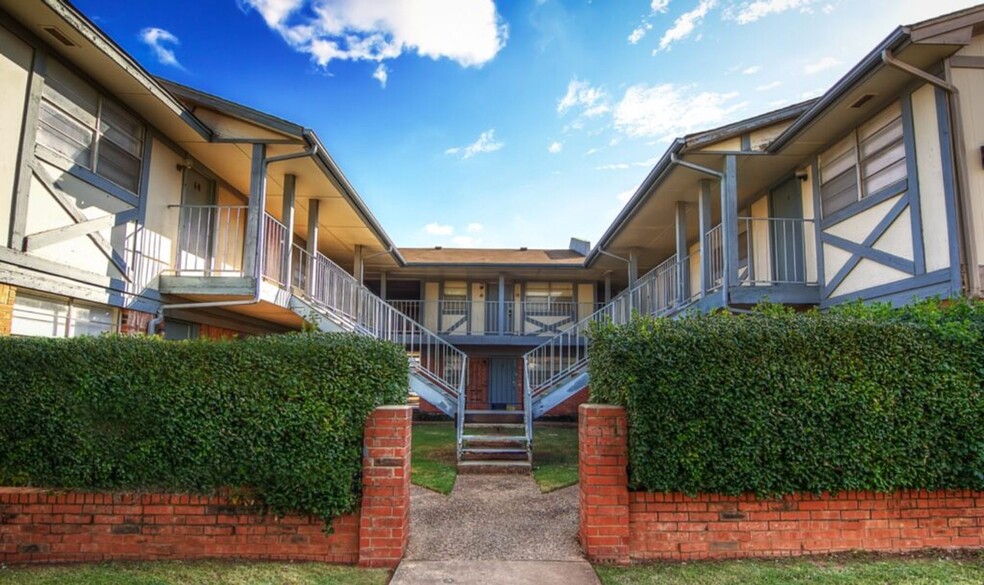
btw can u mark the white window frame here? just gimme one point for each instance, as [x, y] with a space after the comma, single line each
[66, 323]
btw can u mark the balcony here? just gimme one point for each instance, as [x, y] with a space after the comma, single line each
[482, 318]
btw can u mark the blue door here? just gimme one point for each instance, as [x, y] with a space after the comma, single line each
[503, 390]
[787, 233]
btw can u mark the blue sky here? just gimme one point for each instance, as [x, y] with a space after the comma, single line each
[473, 123]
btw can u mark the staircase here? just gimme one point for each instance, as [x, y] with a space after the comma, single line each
[558, 368]
[494, 441]
[324, 294]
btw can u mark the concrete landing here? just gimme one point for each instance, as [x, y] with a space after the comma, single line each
[497, 572]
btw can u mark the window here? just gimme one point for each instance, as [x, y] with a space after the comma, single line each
[78, 124]
[549, 298]
[865, 162]
[39, 316]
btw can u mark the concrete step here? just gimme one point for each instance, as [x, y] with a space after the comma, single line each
[494, 416]
[494, 429]
[493, 442]
[494, 467]
[494, 454]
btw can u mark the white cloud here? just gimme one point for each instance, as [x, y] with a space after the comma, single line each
[581, 94]
[638, 32]
[486, 143]
[555, 147]
[624, 196]
[685, 24]
[752, 70]
[748, 12]
[768, 86]
[821, 65]
[466, 241]
[475, 227]
[665, 111]
[778, 103]
[659, 5]
[436, 229]
[156, 39]
[468, 32]
[810, 94]
[591, 151]
[381, 74]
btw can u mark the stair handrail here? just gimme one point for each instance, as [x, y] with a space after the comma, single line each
[331, 288]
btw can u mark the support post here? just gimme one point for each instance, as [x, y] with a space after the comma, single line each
[608, 287]
[314, 219]
[633, 267]
[502, 305]
[704, 220]
[603, 454]
[358, 268]
[287, 216]
[729, 224]
[683, 267]
[254, 212]
[382, 285]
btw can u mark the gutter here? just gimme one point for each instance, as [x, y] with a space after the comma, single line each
[329, 166]
[898, 39]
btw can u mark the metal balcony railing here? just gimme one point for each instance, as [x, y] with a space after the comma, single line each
[210, 240]
[459, 317]
[774, 251]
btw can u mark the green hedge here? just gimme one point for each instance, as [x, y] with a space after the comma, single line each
[278, 418]
[863, 398]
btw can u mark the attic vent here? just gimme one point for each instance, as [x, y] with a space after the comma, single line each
[438, 247]
[59, 36]
[523, 249]
[863, 100]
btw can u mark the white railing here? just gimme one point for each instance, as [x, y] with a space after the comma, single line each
[210, 240]
[775, 251]
[276, 244]
[332, 289]
[714, 264]
[459, 317]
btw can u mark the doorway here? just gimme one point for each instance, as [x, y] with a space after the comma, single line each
[786, 233]
[503, 389]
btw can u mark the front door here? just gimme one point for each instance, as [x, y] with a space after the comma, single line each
[503, 391]
[198, 222]
[787, 233]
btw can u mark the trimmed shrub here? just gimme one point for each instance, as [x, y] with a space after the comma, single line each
[861, 398]
[277, 418]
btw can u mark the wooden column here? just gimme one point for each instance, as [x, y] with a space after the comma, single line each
[729, 223]
[704, 219]
[683, 266]
[382, 285]
[254, 212]
[358, 267]
[287, 216]
[608, 287]
[314, 219]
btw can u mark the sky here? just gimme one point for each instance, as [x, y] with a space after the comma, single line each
[507, 123]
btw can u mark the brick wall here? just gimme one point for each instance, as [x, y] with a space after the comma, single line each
[136, 322]
[37, 526]
[8, 293]
[622, 526]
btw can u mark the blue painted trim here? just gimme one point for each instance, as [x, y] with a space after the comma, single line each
[148, 148]
[729, 222]
[88, 176]
[704, 224]
[683, 268]
[936, 283]
[949, 188]
[866, 203]
[787, 294]
[890, 260]
[912, 172]
[876, 233]
[817, 229]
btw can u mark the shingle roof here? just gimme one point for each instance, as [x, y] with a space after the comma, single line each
[491, 256]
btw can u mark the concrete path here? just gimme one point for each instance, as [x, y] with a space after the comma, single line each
[494, 529]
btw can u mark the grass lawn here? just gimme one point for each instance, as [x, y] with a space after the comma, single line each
[192, 573]
[839, 570]
[554, 456]
[433, 460]
[433, 456]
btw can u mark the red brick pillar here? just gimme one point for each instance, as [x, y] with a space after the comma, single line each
[603, 457]
[384, 527]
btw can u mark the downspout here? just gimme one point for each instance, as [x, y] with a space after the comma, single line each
[967, 223]
[260, 252]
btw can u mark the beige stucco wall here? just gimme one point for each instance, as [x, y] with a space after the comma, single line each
[15, 64]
